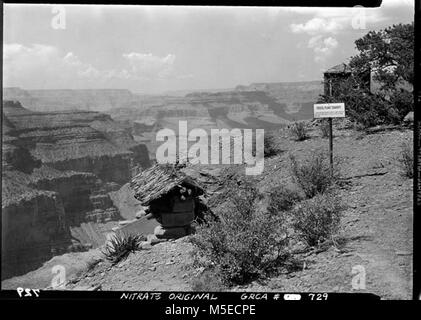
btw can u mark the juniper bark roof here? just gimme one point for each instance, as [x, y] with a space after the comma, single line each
[340, 68]
[158, 180]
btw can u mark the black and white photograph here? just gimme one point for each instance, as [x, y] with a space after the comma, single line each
[208, 149]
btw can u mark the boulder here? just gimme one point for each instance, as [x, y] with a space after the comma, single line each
[140, 214]
[146, 245]
[139, 226]
[409, 118]
[152, 239]
[169, 233]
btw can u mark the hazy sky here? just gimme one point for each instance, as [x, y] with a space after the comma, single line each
[154, 49]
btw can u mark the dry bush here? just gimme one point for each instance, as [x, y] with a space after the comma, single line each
[299, 131]
[313, 174]
[244, 243]
[282, 199]
[317, 219]
[208, 281]
[271, 148]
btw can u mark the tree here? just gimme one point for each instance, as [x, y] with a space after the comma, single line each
[389, 55]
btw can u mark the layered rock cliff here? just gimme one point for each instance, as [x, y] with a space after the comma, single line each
[33, 225]
[261, 105]
[58, 170]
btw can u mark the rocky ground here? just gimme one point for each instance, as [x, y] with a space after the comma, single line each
[376, 229]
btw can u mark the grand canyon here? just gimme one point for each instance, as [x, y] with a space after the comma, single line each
[68, 156]
[244, 153]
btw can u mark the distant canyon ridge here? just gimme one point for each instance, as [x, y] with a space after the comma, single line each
[259, 105]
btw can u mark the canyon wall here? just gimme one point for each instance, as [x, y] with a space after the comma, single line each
[268, 106]
[33, 227]
[58, 169]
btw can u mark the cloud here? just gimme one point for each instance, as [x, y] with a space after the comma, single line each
[44, 65]
[47, 66]
[342, 11]
[336, 19]
[323, 47]
[324, 25]
[316, 26]
[83, 70]
[149, 66]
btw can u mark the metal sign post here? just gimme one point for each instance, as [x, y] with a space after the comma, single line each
[329, 110]
[331, 144]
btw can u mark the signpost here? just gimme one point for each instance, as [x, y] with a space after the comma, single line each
[329, 110]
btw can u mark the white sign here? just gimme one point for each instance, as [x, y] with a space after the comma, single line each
[329, 110]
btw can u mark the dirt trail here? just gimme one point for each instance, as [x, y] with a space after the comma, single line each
[377, 226]
[163, 267]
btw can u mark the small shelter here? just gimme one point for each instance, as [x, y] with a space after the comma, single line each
[333, 77]
[171, 196]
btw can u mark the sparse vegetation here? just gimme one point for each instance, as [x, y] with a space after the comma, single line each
[120, 246]
[299, 131]
[271, 148]
[245, 242]
[282, 199]
[313, 174]
[406, 160]
[317, 219]
[208, 281]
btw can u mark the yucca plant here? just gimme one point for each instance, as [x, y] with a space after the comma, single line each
[120, 246]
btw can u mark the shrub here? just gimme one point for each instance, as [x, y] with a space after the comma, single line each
[282, 199]
[244, 243]
[318, 218]
[313, 175]
[406, 160]
[402, 102]
[366, 109]
[120, 246]
[299, 131]
[270, 148]
[208, 281]
[324, 128]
